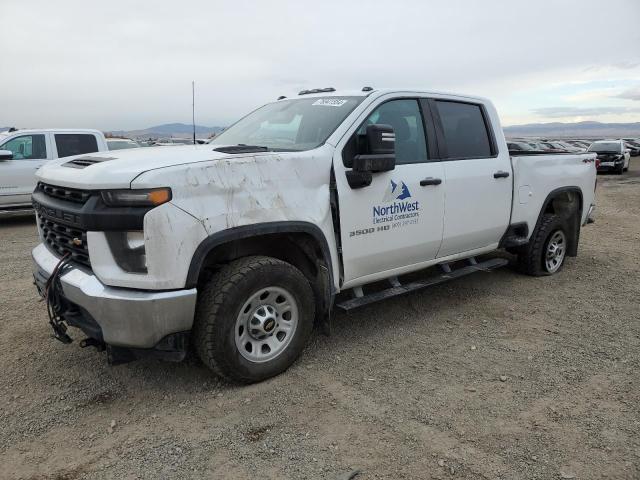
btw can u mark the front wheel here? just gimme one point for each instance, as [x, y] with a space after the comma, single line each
[547, 250]
[253, 319]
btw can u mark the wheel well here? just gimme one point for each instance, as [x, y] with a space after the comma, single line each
[565, 203]
[299, 249]
[568, 205]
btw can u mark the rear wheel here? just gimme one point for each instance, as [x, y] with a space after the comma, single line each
[253, 319]
[547, 250]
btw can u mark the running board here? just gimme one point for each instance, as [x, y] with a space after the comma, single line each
[395, 291]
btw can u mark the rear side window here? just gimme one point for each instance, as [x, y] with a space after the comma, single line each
[465, 131]
[75, 144]
[27, 147]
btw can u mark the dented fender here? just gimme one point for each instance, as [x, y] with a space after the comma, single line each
[286, 191]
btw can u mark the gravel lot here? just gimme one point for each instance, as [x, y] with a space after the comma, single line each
[496, 375]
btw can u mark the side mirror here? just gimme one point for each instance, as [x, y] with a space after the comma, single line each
[6, 155]
[377, 154]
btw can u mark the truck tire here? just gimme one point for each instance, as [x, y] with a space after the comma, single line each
[253, 318]
[547, 250]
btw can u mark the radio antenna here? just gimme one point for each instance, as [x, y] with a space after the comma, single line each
[193, 109]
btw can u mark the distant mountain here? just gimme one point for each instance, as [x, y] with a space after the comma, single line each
[177, 130]
[577, 129]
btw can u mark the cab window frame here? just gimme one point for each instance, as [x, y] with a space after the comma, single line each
[60, 139]
[440, 135]
[32, 135]
[428, 130]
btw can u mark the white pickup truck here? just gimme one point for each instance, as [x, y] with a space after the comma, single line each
[239, 246]
[22, 152]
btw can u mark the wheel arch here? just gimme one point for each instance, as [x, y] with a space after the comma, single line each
[301, 244]
[568, 203]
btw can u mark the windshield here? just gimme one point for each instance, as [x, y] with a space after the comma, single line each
[605, 147]
[290, 125]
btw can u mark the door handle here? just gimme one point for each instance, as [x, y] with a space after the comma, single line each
[430, 181]
[500, 174]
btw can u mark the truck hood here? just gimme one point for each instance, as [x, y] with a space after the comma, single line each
[118, 168]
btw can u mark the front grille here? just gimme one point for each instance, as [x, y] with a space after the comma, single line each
[59, 225]
[63, 240]
[64, 193]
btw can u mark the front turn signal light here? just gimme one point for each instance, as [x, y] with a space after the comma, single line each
[137, 198]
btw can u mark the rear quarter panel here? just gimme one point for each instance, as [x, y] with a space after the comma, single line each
[536, 176]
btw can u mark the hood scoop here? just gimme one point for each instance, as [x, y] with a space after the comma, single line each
[241, 149]
[84, 162]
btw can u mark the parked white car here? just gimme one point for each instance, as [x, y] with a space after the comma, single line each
[239, 246]
[172, 142]
[23, 152]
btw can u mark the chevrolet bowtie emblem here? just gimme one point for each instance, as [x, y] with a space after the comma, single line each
[77, 242]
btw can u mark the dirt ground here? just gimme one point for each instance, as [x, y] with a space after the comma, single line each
[494, 376]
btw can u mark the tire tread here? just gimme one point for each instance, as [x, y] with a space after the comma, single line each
[530, 258]
[211, 298]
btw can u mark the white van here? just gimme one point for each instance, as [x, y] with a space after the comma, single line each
[22, 152]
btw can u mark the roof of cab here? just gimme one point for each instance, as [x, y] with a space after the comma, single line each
[50, 130]
[383, 91]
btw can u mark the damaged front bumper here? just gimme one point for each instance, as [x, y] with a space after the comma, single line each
[128, 322]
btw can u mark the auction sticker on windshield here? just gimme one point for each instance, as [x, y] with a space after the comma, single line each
[330, 102]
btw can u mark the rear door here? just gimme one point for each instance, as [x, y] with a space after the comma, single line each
[478, 182]
[17, 176]
[68, 144]
[396, 221]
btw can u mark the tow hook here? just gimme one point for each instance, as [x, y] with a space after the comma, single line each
[92, 342]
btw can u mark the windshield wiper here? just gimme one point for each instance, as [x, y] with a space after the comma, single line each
[241, 148]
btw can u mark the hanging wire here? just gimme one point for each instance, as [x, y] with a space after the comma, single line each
[53, 295]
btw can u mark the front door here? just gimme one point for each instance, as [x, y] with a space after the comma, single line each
[17, 176]
[397, 220]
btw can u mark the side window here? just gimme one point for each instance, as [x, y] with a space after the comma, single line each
[465, 131]
[405, 118]
[75, 144]
[27, 147]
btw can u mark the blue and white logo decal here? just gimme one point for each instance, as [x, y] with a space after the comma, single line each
[396, 192]
[396, 206]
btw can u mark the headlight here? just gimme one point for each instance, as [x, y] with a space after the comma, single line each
[128, 250]
[136, 198]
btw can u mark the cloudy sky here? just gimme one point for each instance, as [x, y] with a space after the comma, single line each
[129, 64]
